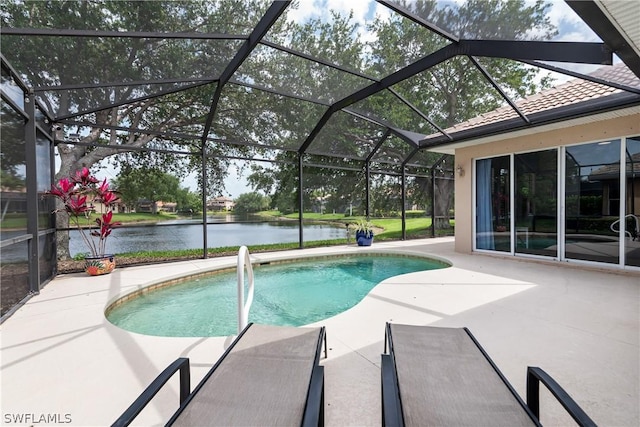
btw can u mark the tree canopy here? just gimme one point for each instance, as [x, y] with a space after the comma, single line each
[117, 77]
[251, 203]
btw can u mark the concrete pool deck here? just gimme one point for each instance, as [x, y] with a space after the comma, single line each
[61, 359]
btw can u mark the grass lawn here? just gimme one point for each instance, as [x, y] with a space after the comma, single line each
[17, 222]
[13, 221]
[389, 228]
[127, 218]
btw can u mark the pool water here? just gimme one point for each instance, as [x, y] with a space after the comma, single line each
[292, 293]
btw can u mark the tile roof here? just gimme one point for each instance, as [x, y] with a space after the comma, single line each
[572, 92]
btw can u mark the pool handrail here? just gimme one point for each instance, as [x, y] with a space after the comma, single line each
[244, 262]
[633, 234]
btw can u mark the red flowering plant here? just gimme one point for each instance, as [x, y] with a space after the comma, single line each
[77, 194]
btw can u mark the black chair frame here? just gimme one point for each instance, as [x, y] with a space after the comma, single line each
[392, 414]
[314, 407]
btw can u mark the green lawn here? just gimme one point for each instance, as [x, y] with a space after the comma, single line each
[14, 221]
[134, 217]
[125, 218]
[416, 226]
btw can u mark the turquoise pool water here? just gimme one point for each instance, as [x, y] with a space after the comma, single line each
[292, 293]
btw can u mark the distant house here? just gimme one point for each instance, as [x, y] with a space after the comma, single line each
[221, 204]
[144, 205]
[148, 206]
[167, 206]
[99, 208]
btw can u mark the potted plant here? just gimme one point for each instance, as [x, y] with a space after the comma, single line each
[77, 195]
[364, 232]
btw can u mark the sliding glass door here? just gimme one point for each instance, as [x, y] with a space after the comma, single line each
[536, 203]
[592, 202]
[518, 203]
[493, 212]
[632, 211]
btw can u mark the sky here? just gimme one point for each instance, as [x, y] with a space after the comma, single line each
[235, 184]
[562, 16]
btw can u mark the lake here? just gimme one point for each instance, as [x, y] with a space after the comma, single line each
[187, 234]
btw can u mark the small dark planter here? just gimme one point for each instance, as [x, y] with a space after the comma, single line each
[364, 238]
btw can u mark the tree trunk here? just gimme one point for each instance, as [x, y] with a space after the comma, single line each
[443, 198]
[67, 160]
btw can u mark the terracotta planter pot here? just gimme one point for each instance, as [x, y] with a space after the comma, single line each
[97, 266]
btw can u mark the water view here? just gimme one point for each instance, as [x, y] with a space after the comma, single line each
[187, 234]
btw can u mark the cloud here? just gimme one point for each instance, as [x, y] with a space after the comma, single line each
[570, 26]
[306, 9]
[561, 12]
[383, 12]
[363, 10]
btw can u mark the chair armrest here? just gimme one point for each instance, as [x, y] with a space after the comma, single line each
[314, 409]
[391, 406]
[534, 377]
[138, 405]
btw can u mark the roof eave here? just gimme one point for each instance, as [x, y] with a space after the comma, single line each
[613, 102]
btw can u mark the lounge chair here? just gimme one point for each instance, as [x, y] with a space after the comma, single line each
[269, 376]
[436, 376]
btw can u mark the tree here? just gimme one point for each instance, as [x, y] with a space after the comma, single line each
[135, 184]
[86, 60]
[12, 161]
[280, 182]
[455, 90]
[340, 42]
[188, 201]
[251, 202]
[12, 156]
[449, 93]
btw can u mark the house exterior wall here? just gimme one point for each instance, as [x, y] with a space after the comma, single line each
[590, 132]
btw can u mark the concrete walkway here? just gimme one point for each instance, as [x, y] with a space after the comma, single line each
[63, 362]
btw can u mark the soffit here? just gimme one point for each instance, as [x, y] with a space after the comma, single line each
[625, 15]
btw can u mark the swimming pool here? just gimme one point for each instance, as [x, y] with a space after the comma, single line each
[291, 293]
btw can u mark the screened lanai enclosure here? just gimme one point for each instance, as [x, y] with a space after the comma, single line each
[336, 109]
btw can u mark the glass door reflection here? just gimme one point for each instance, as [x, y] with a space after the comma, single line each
[493, 215]
[536, 203]
[592, 200]
[632, 211]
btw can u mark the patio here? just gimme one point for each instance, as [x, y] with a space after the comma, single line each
[62, 360]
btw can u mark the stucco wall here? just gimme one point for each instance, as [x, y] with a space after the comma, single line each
[591, 132]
